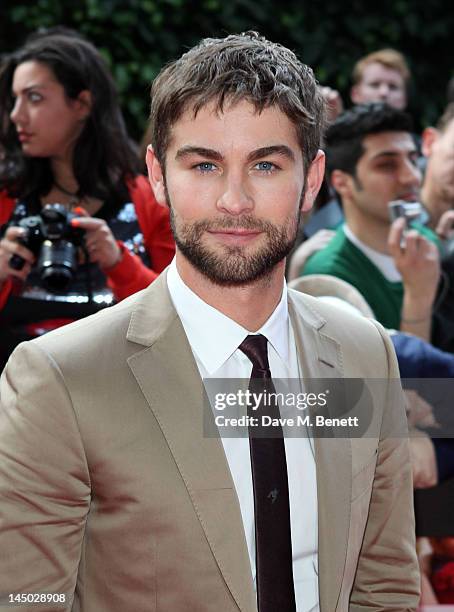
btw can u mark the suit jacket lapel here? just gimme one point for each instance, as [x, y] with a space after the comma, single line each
[169, 379]
[320, 356]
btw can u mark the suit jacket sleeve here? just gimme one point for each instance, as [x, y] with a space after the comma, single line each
[44, 479]
[387, 576]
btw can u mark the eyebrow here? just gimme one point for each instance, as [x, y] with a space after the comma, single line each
[30, 87]
[200, 151]
[281, 150]
[392, 154]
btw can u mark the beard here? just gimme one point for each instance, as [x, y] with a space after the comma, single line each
[234, 266]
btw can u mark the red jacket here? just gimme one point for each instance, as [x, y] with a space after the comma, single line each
[130, 274]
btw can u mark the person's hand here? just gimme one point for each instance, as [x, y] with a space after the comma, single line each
[101, 245]
[307, 248]
[9, 246]
[423, 462]
[334, 104]
[419, 412]
[418, 262]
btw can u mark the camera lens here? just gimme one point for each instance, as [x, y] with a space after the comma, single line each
[16, 262]
[57, 264]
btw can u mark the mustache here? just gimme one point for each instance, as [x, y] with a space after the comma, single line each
[248, 222]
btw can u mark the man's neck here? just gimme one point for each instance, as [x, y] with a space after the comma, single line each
[250, 305]
[373, 234]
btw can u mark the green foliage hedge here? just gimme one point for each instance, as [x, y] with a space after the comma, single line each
[138, 36]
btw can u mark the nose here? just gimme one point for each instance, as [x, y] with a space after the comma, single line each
[17, 113]
[410, 175]
[383, 91]
[235, 199]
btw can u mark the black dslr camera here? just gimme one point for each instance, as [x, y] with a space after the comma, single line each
[54, 242]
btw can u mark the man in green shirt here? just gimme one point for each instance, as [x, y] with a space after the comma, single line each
[371, 160]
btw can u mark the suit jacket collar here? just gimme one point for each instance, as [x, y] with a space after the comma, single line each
[169, 379]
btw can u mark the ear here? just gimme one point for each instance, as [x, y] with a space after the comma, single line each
[156, 176]
[83, 104]
[429, 136]
[342, 183]
[314, 180]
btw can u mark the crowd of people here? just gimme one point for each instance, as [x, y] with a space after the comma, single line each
[82, 229]
[403, 267]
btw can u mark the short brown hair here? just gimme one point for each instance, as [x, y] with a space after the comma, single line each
[446, 118]
[390, 58]
[239, 67]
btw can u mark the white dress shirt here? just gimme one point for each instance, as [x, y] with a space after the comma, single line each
[214, 339]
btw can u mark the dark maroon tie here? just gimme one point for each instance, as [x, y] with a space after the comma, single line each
[273, 545]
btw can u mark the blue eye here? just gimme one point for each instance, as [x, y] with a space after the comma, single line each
[205, 167]
[33, 96]
[266, 166]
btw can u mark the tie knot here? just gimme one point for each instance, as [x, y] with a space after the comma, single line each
[256, 349]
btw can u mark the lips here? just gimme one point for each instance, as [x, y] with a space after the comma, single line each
[235, 236]
[235, 232]
[23, 136]
[410, 196]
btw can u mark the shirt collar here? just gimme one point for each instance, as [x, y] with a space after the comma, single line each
[213, 336]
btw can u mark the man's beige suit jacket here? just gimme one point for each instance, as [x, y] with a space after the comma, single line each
[110, 492]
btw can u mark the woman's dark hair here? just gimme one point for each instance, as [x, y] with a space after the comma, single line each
[103, 155]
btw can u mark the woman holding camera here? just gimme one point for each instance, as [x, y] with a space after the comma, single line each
[63, 142]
